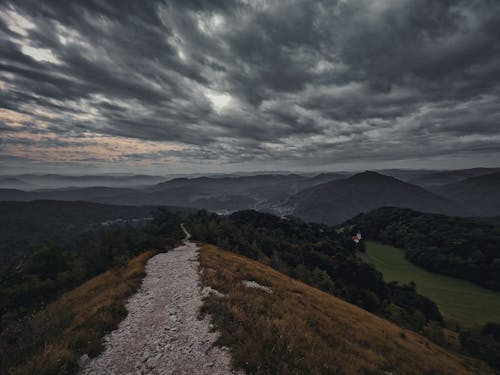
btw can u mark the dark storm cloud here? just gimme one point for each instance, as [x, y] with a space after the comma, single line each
[255, 81]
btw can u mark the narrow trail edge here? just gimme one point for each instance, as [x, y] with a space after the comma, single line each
[162, 333]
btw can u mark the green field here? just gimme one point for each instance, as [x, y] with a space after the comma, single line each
[457, 298]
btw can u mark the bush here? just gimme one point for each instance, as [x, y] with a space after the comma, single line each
[483, 343]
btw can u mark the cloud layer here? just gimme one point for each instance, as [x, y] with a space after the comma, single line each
[173, 85]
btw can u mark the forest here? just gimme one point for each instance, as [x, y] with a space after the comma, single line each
[325, 257]
[50, 268]
[317, 255]
[461, 247]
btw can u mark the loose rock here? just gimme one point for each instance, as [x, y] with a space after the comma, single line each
[162, 330]
[255, 285]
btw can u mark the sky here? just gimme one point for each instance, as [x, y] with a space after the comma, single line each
[219, 86]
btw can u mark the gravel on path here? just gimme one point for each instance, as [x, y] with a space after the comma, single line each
[162, 333]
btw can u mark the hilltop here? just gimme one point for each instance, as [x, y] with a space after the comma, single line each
[339, 200]
[481, 194]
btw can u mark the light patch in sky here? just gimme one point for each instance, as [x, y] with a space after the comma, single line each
[40, 54]
[181, 54]
[12, 118]
[16, 22]
[176, 41]
[67, 35]
[209, 23]
[42, 113]
[219, 100]
[86, 147]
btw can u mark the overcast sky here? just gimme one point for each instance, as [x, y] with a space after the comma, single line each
[188, 86]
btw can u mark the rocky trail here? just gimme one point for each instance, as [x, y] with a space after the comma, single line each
[162, 333]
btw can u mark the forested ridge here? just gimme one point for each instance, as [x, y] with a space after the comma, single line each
[28, 224]
[461, 247]
[321, 256]
[317, 255]
[325, 257]
[51, 268]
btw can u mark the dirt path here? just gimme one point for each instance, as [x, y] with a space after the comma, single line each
[161, 333]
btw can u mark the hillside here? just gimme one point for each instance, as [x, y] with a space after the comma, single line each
[459, 300]
[52, 340]
[336, 201]
[7, 182]
[24, 224]
[292, 328]
[268, 322]
[224, 193]
[480, 194]
[460, 247]
[54, 181]
[439, 178]
[319, 256]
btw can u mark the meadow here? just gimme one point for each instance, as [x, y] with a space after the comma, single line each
[458, 299]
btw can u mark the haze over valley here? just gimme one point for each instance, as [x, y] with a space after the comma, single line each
[329, 197]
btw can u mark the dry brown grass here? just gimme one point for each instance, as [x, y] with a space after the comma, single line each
[76, 322]
[300, 330]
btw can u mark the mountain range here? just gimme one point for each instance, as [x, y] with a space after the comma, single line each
[481, 194]
[336, 201]
[326, 197]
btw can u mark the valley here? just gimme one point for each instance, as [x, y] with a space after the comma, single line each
[328, 198]
[456, 298]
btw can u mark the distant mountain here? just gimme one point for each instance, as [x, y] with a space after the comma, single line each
[13, 183]
[481, 195]
[53, 181]
[16, 195]
[89, 194]
[437, 178]
[406, 175]
[230, 192]
[336, 201]
[227, 193]
[326, 177]
[327, 197]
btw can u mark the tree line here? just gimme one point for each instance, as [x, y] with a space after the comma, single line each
[50, 268]
[319, 256]
[460, 247]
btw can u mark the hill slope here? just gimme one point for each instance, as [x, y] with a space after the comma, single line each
[437, 178]
[297, 329]
[52, 340]
[336, 201]
[481, 194]
[459, 247]
[24, 224]
[227, 193]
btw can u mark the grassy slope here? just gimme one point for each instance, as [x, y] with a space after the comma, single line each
[74, 324]
[300, 330]
[460, 299]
